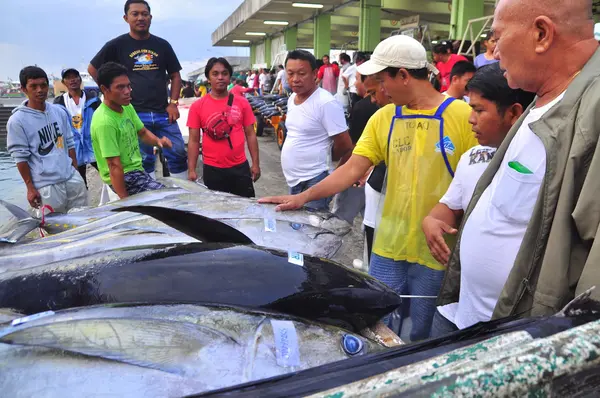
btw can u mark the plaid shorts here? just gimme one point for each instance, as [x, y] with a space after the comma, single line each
[140, 181]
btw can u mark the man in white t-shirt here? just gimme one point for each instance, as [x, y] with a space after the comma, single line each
[341, 94]
[317, 133]
[349, 77]
[526, 246]
[262, 81]
[496, 107]
[282, 82]
[250, 79]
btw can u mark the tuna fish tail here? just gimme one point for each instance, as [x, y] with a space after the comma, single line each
[22, 227]
[195, 225]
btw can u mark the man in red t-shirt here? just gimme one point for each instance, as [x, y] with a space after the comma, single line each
[445, 61]
[227, 122]
[239, 88]
[328, 75]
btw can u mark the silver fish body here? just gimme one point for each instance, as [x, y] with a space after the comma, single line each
[92, 230]
[162, 350]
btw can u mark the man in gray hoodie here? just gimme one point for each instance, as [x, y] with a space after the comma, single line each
[41, 143]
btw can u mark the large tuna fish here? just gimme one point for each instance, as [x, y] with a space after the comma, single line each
[233, 274]
[318, 234]
[161, 350]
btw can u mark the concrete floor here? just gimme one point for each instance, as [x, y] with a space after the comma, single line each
[272, 182]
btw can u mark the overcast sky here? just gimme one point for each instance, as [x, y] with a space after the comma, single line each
[55, 34]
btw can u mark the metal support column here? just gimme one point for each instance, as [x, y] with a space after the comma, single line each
[462, 12]
[252, 55]
[322, 35]
[290, 38]
[268, 52]
[369, 28]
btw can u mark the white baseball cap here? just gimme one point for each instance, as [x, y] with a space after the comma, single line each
[397, 52]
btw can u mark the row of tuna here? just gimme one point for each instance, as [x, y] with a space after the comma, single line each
[175, 292]
[185, 291]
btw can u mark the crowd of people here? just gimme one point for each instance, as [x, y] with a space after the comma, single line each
[475, 180]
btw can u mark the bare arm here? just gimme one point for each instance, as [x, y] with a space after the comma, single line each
[252, 144]
[117, 177]
[93, 72]
[341, 179]
[73, 157]
[175, 85]
[342, 147]
[193, 153]
[444, 213]
[253, 149]
[440, 221]
[345, 79]
[148, 137]
[33, 196]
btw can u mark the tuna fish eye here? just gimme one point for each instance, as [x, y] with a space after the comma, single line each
[352, 345]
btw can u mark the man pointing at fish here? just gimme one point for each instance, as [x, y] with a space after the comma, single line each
[407, 135]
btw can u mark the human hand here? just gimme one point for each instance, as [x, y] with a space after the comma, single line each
[173, 112]
[434, 230]
[192, 175]
[34, 198]
[286, 202]
[255, 170]
[164, 142]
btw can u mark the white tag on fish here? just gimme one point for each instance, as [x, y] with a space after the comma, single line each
[270, 225]
[29, 318]
[296, 258]
[286, 343]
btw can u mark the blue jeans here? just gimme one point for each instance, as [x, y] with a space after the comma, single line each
[316, 205]
[441, 326]
[410, 279]
[158, 123]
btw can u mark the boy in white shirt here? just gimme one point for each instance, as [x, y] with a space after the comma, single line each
[496, 107]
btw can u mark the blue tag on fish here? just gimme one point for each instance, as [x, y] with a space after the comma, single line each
[29, 318]
[286, 343]
[270, 225]
[296, 258]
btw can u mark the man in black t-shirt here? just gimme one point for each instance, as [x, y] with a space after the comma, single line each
[188, 91]
[150, 62]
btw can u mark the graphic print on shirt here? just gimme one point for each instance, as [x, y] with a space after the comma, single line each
[50, 135]
[77, 122]
[478, 155]
[402, 144]
[128, 129]
[144, 60]
[448, 146]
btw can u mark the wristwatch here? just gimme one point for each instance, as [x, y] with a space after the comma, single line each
[173, 101]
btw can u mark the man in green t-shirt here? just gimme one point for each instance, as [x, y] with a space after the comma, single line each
[115, 131]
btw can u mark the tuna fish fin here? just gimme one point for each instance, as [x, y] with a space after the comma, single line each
[195, 225]
[24, 225]
[168, 346]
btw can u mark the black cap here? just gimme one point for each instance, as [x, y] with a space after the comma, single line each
[68, 70]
